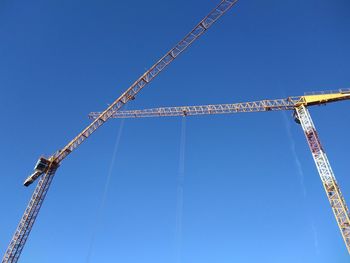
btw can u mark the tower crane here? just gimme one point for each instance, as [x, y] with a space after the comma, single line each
[299, 105]
[46, 167]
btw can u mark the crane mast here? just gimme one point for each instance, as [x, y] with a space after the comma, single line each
[46, 167]
[25, 226]
[335, 197]
[299, 104]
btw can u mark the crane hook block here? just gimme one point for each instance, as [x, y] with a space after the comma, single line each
[296, 117]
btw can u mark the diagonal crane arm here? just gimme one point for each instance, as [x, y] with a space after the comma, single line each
[302, 116]
[289, 103]
[146, 78]
[46, 167]
[136, 87]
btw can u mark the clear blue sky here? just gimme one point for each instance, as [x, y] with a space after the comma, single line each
[251, 190]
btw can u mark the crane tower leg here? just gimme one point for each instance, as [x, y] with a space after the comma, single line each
[24, 227]
[335, 197]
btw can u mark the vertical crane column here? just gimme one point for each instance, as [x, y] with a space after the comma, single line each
[25, 225]
[329, 181]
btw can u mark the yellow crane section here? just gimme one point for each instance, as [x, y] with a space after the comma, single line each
[324, 98]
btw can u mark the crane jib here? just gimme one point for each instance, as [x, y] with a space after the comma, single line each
[146, 78]
[47, 172]
[316, 98]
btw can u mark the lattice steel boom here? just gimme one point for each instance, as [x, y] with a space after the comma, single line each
[256, 106]
[298, 104]
[48, 166]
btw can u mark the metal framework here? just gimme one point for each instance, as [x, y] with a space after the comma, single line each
[25, 226]
[146, 78]
[256, 106]
[335, 197]
[263, 105]
[298, 104]
[19, 238]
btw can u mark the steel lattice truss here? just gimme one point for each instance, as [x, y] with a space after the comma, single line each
[335, 197]
[19, 238]
[289, 103]
[147, 77]
[263, 105]
[25, 226]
